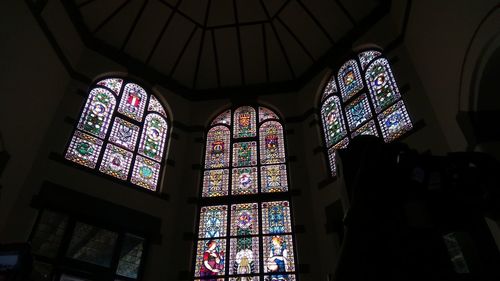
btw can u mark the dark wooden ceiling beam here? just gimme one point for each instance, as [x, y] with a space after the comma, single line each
[237, 24]
[238, 38]
[266, 55]
[202, 41]
[162, 32]
[304, 48]
[316, 21]
[183, 50]
[111, 16]
[278, 12]
[134, 24]
[282, 47]
[182, 14]
[346, 12]
[83, 4]
[216, 57]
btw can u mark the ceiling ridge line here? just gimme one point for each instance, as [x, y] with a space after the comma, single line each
[202, 40]
[238, 37]
[111, 16]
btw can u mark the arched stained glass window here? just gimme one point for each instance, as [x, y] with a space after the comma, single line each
[369, 103]
[245, 224]
[116, 139]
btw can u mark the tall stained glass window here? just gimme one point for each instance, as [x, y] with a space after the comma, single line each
[245, 223]
[362, 99]
[122, 132]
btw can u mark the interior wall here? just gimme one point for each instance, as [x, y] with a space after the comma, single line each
[58, 98]
[33, 81]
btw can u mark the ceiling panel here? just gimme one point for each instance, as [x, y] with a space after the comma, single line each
[229, 59]
[96, 12]
[296, 54]
[115, 31]
[184, 73]
[309, 33]
[278, 67]
[249, 11]
[330, 16]
[195, 9]
[171, 44]
[252, 44]
[147, 30]
[207, 74]
[359, 8]
[221, 13]
[273, 6]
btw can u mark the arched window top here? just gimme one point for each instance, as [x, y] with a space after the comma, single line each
[245, 186]
[350, 81]
[369, 104]
[368, 56]
[125, 139]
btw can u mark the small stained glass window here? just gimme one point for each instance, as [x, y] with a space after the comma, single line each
[377, 111]
[231, 242]
[130, 256]
[108, 136]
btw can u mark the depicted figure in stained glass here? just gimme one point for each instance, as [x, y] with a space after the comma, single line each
[278, 258]
[244, 262]
[213, 261]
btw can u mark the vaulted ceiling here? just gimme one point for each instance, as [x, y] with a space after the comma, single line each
[208, 46]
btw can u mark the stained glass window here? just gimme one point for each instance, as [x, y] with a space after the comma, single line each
[244, 122]
[377, 111]
[112, 148]
[272, 147]
[358, 111]
[244, 160]
[215, 183]
[333, 120]
[266, 114]
[97, 112]
[349, 80]
[366, 57]
[381, 83]
[394, 121]
[218, 147]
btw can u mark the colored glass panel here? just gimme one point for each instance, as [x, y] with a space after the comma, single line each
[223, 118]
[155, 105]
[133, 101]
[367, 129]
[333, 121]
[276, 217]
[330, 88]
[244, 122]
[278, 277]
[244, 219]
[114, 84]
[358, 111]
[244, 154]
[97, 112]
[272, 147]
[212, 253]
[394, 122]
[145, 173]
[153, 137]
[212, 221]
[84, 149]
[266, 114]
[215, 183]
[278, 256]
[366, 57]
[332, 154]
[116, 162]
[245, 181]
[217, 150]
[273, 178]
[124, 134]
[349, 80]
[247, 278]
[244, 255]
[383, 88]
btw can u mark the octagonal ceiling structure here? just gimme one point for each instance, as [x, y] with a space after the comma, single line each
[208, 47]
